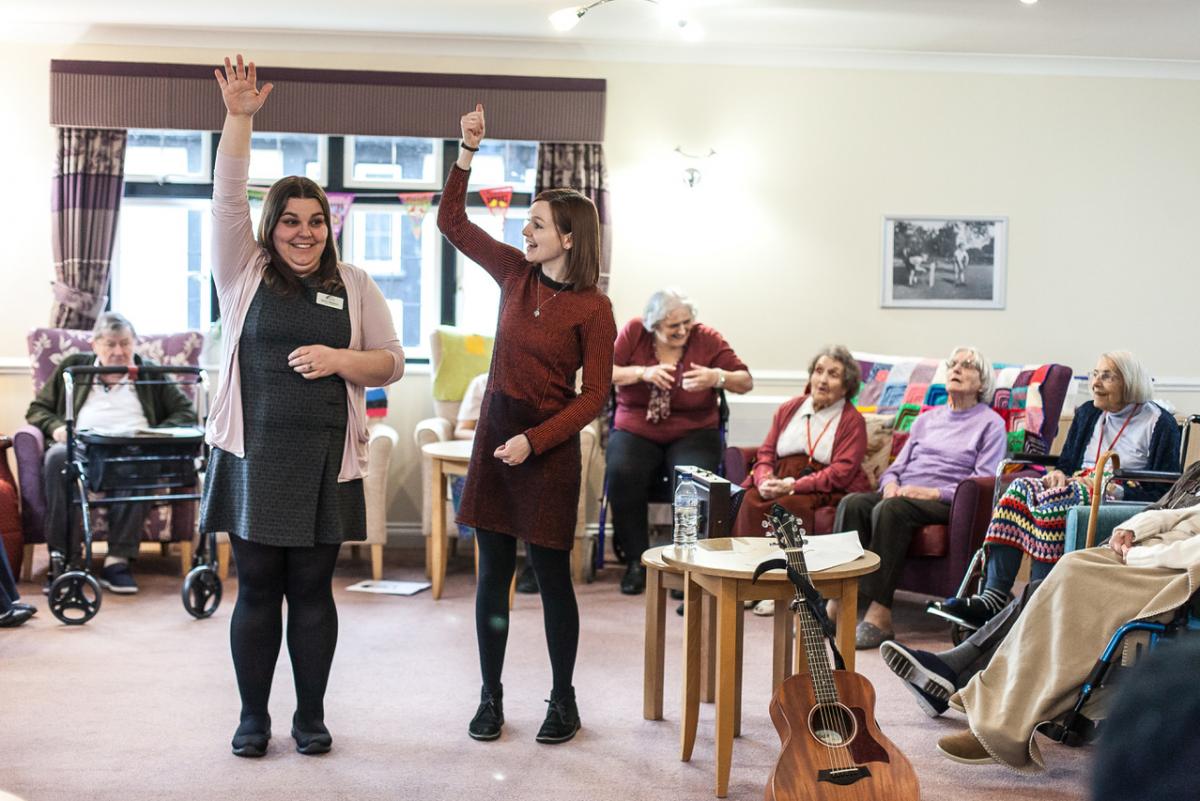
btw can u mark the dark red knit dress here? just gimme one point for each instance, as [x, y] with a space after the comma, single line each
[531, 387]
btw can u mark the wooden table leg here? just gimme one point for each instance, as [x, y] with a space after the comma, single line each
[690, 706]
[727, 613]
[437, 535]
[652, 667]
[847, 618]
[708, 690]
[781, 655]
[739, 636]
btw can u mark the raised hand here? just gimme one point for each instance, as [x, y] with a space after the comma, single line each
[239, 88]
[471, 124]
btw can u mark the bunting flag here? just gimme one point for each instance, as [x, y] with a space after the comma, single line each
[339, 207]
[497, 197]
[416, 206]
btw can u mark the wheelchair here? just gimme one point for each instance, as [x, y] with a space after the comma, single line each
[126, 464]
[1016, 467]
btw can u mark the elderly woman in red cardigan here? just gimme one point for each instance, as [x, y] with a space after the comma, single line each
[813, 454]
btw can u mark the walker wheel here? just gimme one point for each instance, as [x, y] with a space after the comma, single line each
[201, 591]
[75, 597]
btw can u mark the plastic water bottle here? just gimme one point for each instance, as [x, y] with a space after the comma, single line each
[687, 511]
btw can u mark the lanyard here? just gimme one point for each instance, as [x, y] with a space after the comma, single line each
[1113, 444]
[812, 446]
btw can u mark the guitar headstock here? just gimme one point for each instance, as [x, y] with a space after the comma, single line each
[786, 527]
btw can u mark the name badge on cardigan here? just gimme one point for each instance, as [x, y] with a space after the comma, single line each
[332, 301]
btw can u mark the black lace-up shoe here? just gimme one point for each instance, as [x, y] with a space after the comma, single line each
[489, 718]
[562, 719]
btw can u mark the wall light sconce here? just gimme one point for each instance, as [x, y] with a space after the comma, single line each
[691, 173]
[567, 18]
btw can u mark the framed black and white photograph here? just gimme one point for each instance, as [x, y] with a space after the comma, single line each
[944, 262]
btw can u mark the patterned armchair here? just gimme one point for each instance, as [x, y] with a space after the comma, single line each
[170, 522]
[895, 390]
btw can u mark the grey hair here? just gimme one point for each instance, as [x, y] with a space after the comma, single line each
[851, 372]
[662, 303]
[111, 322]
[987, 376]
[1138, 388]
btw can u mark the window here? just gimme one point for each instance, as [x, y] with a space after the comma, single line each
[168, 156]
[161, 265]
[393, 161]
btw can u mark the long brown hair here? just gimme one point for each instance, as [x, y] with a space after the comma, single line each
[279, 276]
[574, 214]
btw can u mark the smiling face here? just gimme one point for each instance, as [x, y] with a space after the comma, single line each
[543, 242]
[828, 382]
[673, 330]
[962, 376]
[1107, 385]
[300, 235]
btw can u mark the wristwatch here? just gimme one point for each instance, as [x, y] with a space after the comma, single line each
[720, 378]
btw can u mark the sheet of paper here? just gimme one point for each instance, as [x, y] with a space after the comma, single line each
[823, 551]
[390, 587]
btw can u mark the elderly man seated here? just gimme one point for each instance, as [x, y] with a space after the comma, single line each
[113, 404]
[1150, 567]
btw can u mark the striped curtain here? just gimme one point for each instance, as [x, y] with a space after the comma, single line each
[580, 166]
[85, 199]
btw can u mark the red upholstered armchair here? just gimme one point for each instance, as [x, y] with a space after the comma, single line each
[171, 522]
[896, 389]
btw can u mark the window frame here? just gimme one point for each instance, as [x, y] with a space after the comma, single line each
[207, 150]
[335, 169]
[349, 182]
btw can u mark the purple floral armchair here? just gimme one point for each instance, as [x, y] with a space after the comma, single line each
[168, 522]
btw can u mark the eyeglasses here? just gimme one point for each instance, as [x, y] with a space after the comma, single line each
[1104, 376]
[965, 364]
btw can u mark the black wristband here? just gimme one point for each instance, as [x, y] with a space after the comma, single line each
[465, 146]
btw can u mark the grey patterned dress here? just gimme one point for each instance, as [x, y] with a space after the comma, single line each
[285, 491]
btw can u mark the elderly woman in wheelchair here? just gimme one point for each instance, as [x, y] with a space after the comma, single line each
[1149, 568]
[1031, 515]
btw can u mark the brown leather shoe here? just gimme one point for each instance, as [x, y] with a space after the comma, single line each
[955, 703]
[964, 747]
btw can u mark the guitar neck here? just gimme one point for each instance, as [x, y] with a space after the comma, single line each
[814, 638]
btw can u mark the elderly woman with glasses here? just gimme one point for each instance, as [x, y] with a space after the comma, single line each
[667, 369]
[1031, 516]
[946, 445]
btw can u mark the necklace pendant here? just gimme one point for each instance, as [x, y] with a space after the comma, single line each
[537, 312]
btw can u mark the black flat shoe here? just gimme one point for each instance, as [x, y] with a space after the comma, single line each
[489, 717]
[527, 581]
[32, 609]
[562, 719]
[634, 580]
[15, 617]
[251, 738]
[313, 739]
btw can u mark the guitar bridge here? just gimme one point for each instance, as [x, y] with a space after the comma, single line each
[844, 776]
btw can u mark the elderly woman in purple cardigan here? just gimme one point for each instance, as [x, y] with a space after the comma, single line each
[947, 444]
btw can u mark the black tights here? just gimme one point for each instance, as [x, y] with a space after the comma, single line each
[266, 575]
[497, 561]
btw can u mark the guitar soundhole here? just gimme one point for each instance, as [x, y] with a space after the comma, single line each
[832, 725]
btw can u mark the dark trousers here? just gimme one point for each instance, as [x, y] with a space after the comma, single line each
[125, 520]
[1003, 562]
[634, 464]
[8, 584]
[886, 527]
[560, 613]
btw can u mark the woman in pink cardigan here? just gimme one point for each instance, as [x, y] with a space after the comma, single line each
[813, 454]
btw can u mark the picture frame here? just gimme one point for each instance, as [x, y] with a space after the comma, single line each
[939, 262]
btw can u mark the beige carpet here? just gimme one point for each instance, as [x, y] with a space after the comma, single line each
[140, 704]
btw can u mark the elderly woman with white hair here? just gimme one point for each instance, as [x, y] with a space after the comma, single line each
[946, 445]
[667, 369]
[1031, 515]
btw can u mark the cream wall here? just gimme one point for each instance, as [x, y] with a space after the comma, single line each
[780, 243]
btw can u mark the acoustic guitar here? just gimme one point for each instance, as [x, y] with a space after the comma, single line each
[832, 748]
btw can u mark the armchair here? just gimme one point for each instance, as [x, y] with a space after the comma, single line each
[375, 489]
[165, 523]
